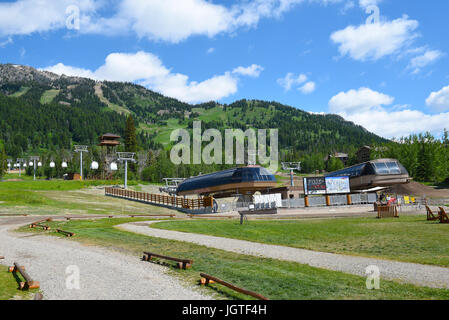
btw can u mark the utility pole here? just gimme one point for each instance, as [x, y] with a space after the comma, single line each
[291, 166]
[125, 157]
[81, 149]
[34, 159]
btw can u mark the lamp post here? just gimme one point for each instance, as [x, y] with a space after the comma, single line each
[34, 159]
[126, 156]
[291, 166]
[81, 149]
[20, 161]
[9, 165]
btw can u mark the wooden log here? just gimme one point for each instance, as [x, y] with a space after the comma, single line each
[209, 216]
[40, 226]
[208, 278]
[68, 234]
[152, 215]
[29, 283]
[39, 222]
[182, 263]
[11, 269]
[205, 281]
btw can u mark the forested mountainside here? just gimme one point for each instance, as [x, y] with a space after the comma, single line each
[41, 110]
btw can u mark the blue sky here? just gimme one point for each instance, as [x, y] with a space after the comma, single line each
[388, 74]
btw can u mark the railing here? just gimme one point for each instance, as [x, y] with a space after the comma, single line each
[159, 199]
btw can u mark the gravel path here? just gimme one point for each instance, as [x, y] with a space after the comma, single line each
[104, 274]
[421, 275]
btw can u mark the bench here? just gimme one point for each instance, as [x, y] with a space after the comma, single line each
[88, 217]
[29, 283]
[443, 216]
[182, 263]
[39, 223]
[431, 216]
[68, 234]
[207, 279]
[40, 226]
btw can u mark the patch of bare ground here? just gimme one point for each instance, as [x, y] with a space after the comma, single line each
[417, 189]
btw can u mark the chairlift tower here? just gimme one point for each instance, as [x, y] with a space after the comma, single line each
[292, 166]
[34, 159]
[125, 157]
[81, 149]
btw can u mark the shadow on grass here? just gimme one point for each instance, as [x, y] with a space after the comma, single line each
[221, 292]
[17, 278]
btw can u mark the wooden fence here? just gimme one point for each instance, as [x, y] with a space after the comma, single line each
[159, 199]
[387, 211]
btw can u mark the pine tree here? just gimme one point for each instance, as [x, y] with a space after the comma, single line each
[334, 164]
[130, 135]
[3, 160]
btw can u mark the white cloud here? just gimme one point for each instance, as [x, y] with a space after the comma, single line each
[363, 99]
[148, 70]
[439, 100]
[377, 40]
[160, 20]
[366, 107]
[421, 61]
[210, 50]
[175, 21]
[308, 88]
[251, 71]
[398, 124]
[71, 71]
[367, 3]
[348, 6]
[291, 80]
[24, 17]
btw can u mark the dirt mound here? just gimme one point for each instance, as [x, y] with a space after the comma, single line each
[419, 190]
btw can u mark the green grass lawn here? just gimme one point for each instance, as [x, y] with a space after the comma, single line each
[59, 197]
[9, 286]
[27, 184]
[271, 278]
[33, 193]
[409, 238]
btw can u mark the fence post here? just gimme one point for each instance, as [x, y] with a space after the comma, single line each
[348, 199]
[306, 201]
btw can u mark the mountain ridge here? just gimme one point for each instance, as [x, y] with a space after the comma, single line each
[157, 115]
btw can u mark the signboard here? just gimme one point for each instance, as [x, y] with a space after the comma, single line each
[316, 185]
[337, 185]
[329, 185]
